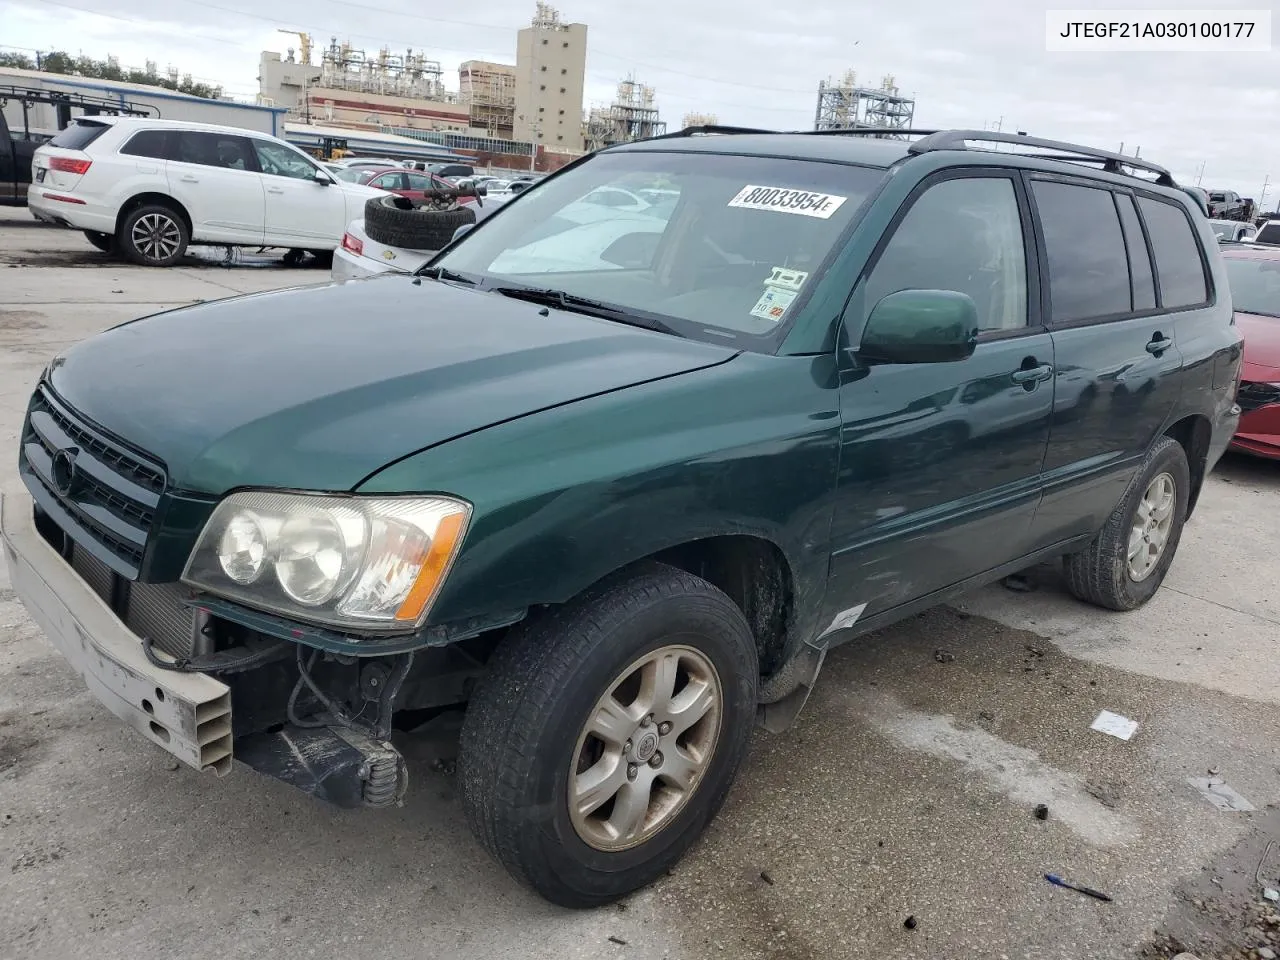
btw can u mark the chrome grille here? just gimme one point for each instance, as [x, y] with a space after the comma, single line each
[152, 610]
[111, 495]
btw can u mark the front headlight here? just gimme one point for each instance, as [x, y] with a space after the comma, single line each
[372, 563]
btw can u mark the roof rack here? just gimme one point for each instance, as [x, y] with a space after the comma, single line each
[29, 96]
[709, 128]
[1111, 162]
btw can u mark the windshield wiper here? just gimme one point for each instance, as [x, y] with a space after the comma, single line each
[444, 273]
[585, 305]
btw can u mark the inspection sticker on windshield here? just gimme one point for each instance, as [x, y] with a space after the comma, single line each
[804, 202]
[773, 303]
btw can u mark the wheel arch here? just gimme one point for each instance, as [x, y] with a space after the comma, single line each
[1193, 433]
[142, 199]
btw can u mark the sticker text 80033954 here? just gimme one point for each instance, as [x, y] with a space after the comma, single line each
[783, 200]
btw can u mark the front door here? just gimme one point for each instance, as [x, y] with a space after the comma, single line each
[301, 211]
[212, 175]
[940, 462]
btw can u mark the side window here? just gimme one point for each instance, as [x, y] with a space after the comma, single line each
[419, 181]
[1144, 286]
[146, 143]
[213, 150]
[963, 235]
[280, 161]
[1088, 272]
[388, 181]
[1178, 263]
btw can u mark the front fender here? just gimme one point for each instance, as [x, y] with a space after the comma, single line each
[564, 497]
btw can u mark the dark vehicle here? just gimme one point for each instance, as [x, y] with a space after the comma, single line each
[19, 141]
[1254, 274]
[1269, 232]
[452, 171]
[1229, 205]
[616, 485]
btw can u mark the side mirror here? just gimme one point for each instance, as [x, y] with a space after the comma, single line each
[323, 178]
[462, 230]
[921, 326]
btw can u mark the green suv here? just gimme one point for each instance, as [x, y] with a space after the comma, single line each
[616, 469]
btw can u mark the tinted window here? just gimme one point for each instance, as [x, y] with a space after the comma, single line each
[213, 150]
[1178, 264]
[962, 235]
[1270, 232]
[1087, 267]
[419, 181]
[279, 160]
[79, 135]
[1144, 285]
[146, 143]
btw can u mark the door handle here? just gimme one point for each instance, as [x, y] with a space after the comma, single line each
[189, 179]
[274, 190]
[1033, 374]
[1158, 345]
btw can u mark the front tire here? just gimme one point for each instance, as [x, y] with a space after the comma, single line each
[1124, 565]
[154, 235]
[605, 735]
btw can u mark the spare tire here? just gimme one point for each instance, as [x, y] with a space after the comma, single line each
[397, 222]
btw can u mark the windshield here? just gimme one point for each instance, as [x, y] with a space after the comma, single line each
[1255, 285]
[715, 246]
[1223, 229]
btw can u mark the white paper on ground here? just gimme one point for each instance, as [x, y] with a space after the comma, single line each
[1216, 791]
[1115, 725]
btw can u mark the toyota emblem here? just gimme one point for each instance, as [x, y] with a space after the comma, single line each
[64, 470]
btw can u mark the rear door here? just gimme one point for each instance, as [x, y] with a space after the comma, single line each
[214, 176]
[1116, 330]
[301, 211]
[8, 167]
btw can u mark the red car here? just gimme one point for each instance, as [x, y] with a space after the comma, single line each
[1254, 275]
[407, 183]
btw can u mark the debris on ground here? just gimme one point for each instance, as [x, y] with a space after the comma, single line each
[1057, 881]
[1114, 725]
[1222, 796]
[618, 940]
[173, 765]
[766, 877]
[1042, 811]
[1019, 583]
[944, 656]
[1271, 894]
[910, 923]
[447, 767]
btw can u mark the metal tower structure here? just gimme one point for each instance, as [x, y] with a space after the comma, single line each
[843, 105]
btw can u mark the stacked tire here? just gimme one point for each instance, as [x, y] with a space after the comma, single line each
[400, 222]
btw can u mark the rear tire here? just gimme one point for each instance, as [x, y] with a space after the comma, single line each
[530, 751]
[395, 221]
[1118, 569]
[103, 241]
[153, 235]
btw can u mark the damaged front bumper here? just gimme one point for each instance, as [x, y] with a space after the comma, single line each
[184, 713]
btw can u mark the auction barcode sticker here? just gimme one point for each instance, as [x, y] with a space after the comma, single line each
[1171, 31]
[780, 199]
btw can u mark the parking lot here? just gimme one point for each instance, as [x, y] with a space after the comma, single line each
[906, 791]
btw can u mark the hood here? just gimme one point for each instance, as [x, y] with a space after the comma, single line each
[1261, 346]
[316, 388]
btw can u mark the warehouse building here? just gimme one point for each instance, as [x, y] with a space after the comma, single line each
[155, 101]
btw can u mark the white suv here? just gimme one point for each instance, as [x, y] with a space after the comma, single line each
[146, 188]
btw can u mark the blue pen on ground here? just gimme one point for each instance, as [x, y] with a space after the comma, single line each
[1057, 881]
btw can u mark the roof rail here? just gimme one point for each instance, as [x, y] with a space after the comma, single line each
[868, 131]
[1111, 162]
[708, 128]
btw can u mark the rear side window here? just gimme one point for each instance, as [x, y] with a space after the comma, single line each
[146, 143]
[1088, 273]
[1144, 287]
[214, 150]
[1178, 263]
[1270, 232]
[79, 135]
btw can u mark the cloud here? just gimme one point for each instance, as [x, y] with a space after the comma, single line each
[755, 64]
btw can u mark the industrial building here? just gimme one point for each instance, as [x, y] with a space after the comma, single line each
[551, 70]
[153, 101]
[843, 105]
[633, 115]
[488, 90]
[698, 120]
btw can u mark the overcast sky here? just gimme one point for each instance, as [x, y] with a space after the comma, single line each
[756, 63]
